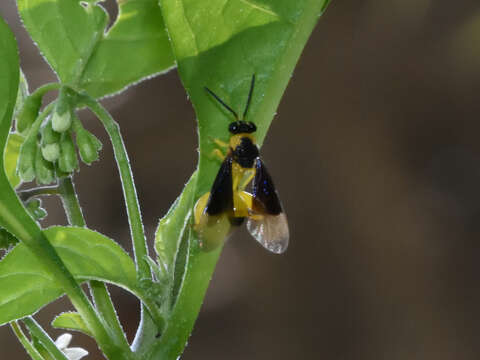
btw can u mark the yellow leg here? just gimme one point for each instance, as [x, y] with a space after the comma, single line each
[200, 208]
[216, 153]
[220, 143]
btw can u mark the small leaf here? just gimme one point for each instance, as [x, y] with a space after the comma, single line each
[27, 286]
[28, 153]
[26, 160]
[71, 321]
[6, 239]
[28, 113]
[172, 227]
[12, 152]
[21, 95]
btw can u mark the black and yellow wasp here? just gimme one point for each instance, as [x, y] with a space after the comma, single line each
[228, 204]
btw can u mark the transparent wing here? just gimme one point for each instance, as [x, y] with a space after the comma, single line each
[271, 231]
[267, 223]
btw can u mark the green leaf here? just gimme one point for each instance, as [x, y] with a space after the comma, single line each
[136, 46]
[9, 78]
[22, 94]
[65, 31]
[71, 321]
[172, 227]
[28, 153]
[7, 239]
[28, 113]
[11, 209]
[12, 152]
[220, 45]
[27, 286]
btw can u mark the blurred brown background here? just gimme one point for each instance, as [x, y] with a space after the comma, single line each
[376, 156]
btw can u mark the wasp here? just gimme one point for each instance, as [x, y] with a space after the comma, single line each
[228, 204]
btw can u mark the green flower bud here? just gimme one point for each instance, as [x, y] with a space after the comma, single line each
[50, 143]
[28, 113]
[51, 152]
[61, 123]
[67, 162]
[44, 170]
[88, 144]
[62, 114]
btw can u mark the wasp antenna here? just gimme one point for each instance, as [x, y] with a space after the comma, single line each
[221, 102]
[250, 92]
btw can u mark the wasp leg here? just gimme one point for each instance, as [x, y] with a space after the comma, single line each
[217, 154]
[200, 208]
[220, 143]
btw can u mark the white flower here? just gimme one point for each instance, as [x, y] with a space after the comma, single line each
[74, 353]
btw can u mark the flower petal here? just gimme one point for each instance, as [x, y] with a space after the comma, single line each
[63, 341]
[75, 353]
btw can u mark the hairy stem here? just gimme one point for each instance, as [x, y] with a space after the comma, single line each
[70, 202]
[30, 349]
[42, 90]
[17, 221]
[99, 290]
[128, 186]
[131, 200]
[25, 195]
[43, 337]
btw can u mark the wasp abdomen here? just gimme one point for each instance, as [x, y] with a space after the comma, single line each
[245, 153]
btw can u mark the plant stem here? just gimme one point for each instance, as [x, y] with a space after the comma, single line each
[43, 337]
[128, 186]
[130, 193]
[25, 195]
[15, 219]
[30, 349]
[42, 90]
[99, 290]
[70, 202]
[200, 267]
[104, 304]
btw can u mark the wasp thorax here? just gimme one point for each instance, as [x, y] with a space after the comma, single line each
[239, 127]
[245, 153]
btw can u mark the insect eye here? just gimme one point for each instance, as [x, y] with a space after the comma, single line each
[233, 128]
[252, 127]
